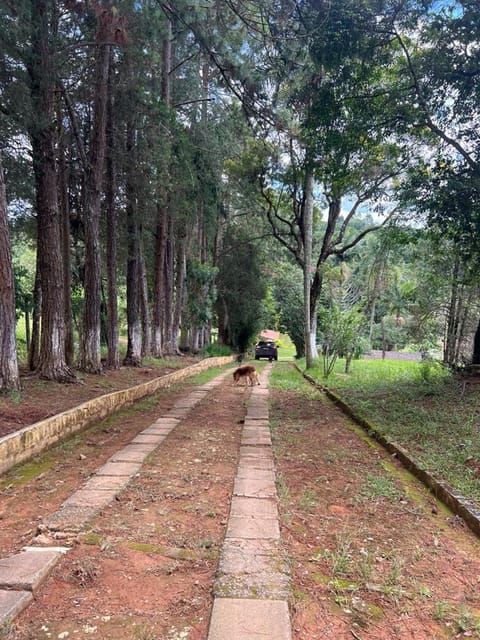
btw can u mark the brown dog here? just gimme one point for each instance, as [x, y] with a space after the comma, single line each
[248, 373]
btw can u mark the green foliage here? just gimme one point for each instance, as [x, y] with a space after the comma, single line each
[430, 369]
[449, 199]
[241, 289]
[23, 261]
[333, 94]
[271, 312]
[339, 333]
[288, 294]
[216, 349]
[202, 292]
[391, 334]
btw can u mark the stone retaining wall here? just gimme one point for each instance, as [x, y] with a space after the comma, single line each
[29, 441]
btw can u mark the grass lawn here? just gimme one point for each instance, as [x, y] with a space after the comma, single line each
[420, 406]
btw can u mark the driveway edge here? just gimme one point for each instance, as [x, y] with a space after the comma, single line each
[21, 445]
[457, 503]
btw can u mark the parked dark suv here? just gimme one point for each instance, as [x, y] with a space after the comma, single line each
[266, 350]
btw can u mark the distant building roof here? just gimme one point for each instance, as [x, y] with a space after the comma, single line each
[268, 334]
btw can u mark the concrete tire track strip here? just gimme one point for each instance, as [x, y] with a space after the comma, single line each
[251, 590]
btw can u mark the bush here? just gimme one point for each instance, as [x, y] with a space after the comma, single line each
[429, 369]
[218, 350]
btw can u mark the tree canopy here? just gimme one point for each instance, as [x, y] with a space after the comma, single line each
[179, 167]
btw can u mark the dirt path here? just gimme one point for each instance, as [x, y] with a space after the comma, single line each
[371, 554]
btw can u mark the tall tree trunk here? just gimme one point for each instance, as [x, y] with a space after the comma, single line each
[28, 336]
[158, 302]
[307, 217]
[180, 282]
[143, 304]
[382, 332]
[452, 317]
[463, 309]
[167, 66]
[113, 358]
[9, 375]
[224, 336]
[159, 282]
[195, 340]
[202, 207]
[133, 357]
[64, 216]
[90, 357]
[34, 350]
[372, 320]
[169, 273]
[52, 360]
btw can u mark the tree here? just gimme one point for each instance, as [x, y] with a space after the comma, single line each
[288, 294]
[109, 30]
[436, 76]
[113, 357]
[52, 362]
[318, 123]
[241, 289]
[339, 335]
[9, 376]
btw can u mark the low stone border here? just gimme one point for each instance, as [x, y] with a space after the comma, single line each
[440, 489]
[21, 574]
[29, 441]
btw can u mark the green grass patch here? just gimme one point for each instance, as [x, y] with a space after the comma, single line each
[286, 348]
[205, 376]
[160, 363]
[376, 487]
[420, 406]
[23, 473]
[286, 378]
[216, 350]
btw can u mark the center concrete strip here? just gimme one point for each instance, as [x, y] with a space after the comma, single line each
[22, 573]
[235, 619]
[252, 585]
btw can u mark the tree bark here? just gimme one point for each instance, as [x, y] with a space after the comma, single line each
[159, 282]
[224, 336]
[133, 356]
[158, 302]
[169, 273]
[180, 281]
[28, 337]
[34, 350]
[143, 304]
[113, 357]
[452, 317]
[382, 331]
[307, 237]
[9, 375]
[52, 360]
[90, 358]
[64, 216]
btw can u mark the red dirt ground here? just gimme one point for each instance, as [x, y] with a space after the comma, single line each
[372, 555]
